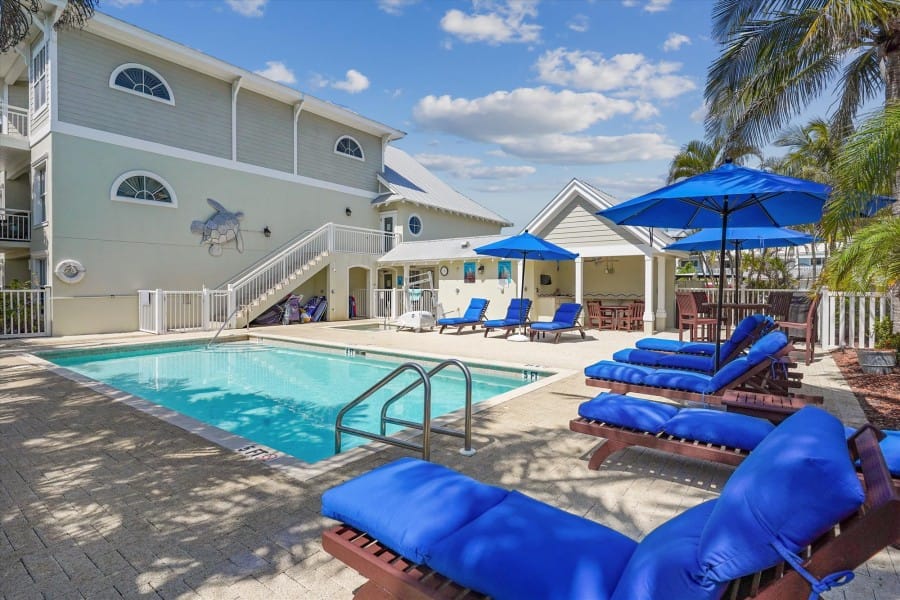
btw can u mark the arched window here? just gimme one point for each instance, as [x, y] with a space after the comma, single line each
[350, 147]
[142, 81]
[415, 225]
[144, 188]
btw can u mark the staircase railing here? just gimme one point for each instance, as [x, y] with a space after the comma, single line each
[423, 379]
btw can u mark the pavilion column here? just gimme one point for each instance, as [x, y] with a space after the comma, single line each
[648, 294]
[579, 280]
[661, 289]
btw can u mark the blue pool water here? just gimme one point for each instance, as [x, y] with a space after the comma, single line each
[283, 397]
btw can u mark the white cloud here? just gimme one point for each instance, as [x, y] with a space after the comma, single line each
[675, 41]
[277, 71]
[124, 3]
[395, 93]
[395, 7]
[353, 83]
[523, 111]
[629, 75]
[466, 167]
[650, 6]
[538, 124]
[579, 23]
[499, 23]
[699, 115]
[644, 111]
[248, 8]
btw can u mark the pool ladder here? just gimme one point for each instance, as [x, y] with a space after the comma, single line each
[423, 379]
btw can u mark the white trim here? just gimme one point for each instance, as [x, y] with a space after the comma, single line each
[421, 224]
[35, 49]
[125, 141]
[297, 109]
[113, 195]
[42, 163]
[344, 154]
[235, 89]
[602, 251]
[122, 67]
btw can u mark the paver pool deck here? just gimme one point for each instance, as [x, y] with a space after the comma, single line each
[99, 500]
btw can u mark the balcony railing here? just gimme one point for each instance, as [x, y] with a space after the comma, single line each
[15, 225]
[14, 121]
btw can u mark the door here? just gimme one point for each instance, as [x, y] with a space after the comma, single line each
[387, 225]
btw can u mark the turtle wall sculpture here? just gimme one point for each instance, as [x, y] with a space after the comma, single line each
[219, 229]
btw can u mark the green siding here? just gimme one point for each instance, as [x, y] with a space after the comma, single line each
[318, 159]
[264, 135]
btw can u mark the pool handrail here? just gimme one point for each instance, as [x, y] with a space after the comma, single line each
[425, 446]
[225, 323]
[466, 434]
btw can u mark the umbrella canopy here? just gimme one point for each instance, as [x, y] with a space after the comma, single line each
[748, 197]
[743, 238]
[525, 246]
[729, 196]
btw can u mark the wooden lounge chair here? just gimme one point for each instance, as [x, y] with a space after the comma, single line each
[516, 316]
[764, 369]
[865, 532]
[473, 316]
[564, 319]
[809, 328]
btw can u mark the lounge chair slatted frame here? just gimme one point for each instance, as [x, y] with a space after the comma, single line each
[855, 540]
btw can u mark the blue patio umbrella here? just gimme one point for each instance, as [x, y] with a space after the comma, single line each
[742, 238]
[729, 196]
[523, 247]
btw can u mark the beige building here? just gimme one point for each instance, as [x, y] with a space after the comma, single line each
[616, 264]
[129, 162]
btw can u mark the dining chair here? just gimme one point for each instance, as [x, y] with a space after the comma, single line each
[688, 315]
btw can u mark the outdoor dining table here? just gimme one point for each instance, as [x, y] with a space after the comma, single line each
[616, 311]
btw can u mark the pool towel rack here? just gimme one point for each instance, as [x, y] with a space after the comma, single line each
[423, 379]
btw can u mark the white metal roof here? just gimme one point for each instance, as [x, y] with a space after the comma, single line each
[409, 181]
[460, 248]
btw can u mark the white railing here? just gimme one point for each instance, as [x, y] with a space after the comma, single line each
[161, 311]
[15, 121]
[15, 225]
[357, 240]
[844, 318]
[25, 313]
[363, 302]
[391, 303]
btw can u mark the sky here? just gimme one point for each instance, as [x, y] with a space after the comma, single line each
[506, 100]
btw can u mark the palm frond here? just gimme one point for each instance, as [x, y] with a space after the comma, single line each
[861, 82]
[870, 261]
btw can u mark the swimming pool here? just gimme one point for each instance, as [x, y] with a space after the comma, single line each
[284, 396]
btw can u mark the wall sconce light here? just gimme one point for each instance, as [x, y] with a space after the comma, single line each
[348, 211]
[267, 232]
[481, 268]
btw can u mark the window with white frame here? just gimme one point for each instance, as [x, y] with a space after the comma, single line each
[39, 272]
[347, 146]
[142, 81]
[414, 225]
[39, 191]
[39, 79]
[143, 187]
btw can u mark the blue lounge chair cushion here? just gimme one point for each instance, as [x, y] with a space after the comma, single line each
[718, 427]
[410, 504]
[627, 411]
[767, 346]
[638, 356]
[496, 323]
[550, 325]
[702, 348]
[692, 362]
[608, 369]
[660, 344]
[791, 489]
[522, 548]
[454, 321]
[680, 380]
[890, 447]
[518, 309]
[665, 563]
[473, 313]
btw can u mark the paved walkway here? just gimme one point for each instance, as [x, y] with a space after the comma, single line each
[99, 500]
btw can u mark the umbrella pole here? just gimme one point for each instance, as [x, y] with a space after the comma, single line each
[737, 270]
[721, 282]
[522, 293]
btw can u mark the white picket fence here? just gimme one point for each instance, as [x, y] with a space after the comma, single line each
[845, 319]
[391, 303]
[161, 311]
[25, 313]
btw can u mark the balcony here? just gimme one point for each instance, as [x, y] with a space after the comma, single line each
[15, 225]
[14, 121]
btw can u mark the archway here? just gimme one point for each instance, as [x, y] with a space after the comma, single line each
[358, 282]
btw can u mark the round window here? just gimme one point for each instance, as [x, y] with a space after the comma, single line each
[415, 225]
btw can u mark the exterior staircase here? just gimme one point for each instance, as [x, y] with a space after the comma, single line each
[258, 287]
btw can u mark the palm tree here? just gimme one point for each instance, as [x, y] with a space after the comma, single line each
[870, 261]
[16, 17]
[779, 55]
[698, 156]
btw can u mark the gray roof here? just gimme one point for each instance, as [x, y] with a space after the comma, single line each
[434, 250]
[409, 181]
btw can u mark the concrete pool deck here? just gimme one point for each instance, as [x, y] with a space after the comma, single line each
[102, 501]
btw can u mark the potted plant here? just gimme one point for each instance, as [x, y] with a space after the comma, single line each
[883, 359]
